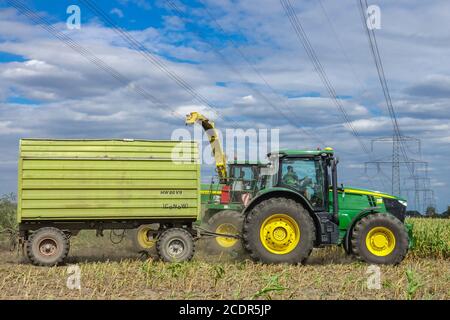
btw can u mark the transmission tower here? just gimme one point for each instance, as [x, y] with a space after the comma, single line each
[397, 159]
[421, 190]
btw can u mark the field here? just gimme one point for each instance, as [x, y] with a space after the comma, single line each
[114, 272]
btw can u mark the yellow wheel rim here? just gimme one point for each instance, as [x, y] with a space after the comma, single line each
[380, 241]
[279, 234]
[226, 228]
[143, 239]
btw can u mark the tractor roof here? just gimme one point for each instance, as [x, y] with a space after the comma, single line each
[297, 152]
[242, 162]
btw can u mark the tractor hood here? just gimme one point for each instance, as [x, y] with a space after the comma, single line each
[355, 190]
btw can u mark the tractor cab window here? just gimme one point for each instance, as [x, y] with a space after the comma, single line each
[244, 173]
[306, 176]
[242, 177]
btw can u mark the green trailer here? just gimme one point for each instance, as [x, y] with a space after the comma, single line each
[65, 186]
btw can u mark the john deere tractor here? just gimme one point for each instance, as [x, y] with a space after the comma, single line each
[294, 204]
[301, 206]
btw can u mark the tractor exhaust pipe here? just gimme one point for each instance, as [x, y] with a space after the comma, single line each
[335, 190]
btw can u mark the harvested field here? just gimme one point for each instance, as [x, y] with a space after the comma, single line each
[116, 272]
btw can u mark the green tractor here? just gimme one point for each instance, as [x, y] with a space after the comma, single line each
[287, 207]
[300, 206]
[222, 204]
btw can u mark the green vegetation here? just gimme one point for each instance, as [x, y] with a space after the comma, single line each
[8, 208]
[413, 285]
[431, 237]
[273, 285]
[8, 221]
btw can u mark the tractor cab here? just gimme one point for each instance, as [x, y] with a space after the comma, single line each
[243, 177]
[310, 173]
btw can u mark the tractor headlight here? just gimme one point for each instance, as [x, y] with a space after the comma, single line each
[403, 202]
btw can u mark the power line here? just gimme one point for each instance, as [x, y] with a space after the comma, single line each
[43, 23]
[303, 38]
[174, 7]
[382, 78]
[142, 50]
[341, 46]
[398, 140]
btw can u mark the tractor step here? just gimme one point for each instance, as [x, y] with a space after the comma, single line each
[329, 231]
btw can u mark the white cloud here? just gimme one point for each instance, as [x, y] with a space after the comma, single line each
[117, 12]
[248, 99]
[79, 100]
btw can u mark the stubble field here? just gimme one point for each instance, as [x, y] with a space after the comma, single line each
[116, 272]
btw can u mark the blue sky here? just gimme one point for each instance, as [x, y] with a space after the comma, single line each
[243, 57]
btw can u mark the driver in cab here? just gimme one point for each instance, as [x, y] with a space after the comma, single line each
[291, 179]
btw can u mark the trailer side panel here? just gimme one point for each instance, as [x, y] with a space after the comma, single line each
[107, 179]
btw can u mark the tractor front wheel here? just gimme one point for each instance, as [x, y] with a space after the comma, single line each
[279, 230]
[380, 239]
[225, 222]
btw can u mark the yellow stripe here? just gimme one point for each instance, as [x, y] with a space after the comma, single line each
[210, 192]
[369, 193]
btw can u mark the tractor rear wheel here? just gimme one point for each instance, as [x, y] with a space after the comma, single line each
[225, 222]
[279, 230]
[380, 238]
[47, 247]
[175, 245]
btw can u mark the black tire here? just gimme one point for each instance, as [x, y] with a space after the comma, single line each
[255, 219]
[175, 245]
[368, 223]
[47, 247]
[232, 219]
[136, 238]
[347, 245]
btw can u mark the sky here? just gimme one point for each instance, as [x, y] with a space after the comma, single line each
[240, 63]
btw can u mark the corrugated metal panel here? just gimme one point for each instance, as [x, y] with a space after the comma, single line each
[108, 179]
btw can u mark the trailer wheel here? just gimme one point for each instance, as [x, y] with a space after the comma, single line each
[279, 230]
[380, 238]
[175, 245]
[226, 222]
[47, 247]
